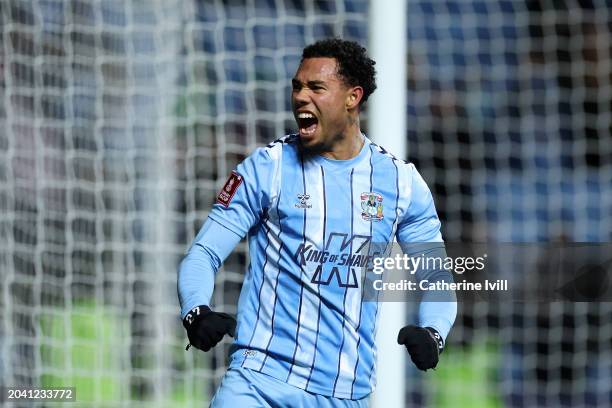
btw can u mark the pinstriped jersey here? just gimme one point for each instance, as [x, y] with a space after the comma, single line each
[301, 317]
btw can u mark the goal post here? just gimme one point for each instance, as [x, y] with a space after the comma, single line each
[387, 45]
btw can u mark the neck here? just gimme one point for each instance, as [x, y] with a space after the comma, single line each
[347, 145]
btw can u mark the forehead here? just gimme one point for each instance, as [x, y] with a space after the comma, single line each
[321, 69]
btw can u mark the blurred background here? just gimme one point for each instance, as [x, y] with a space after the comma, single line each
[120, 120]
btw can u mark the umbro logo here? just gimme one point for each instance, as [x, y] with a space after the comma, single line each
[303, 201]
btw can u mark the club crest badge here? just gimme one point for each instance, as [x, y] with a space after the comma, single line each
[371, 206]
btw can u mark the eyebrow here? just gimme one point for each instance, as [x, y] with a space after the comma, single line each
[296, 81]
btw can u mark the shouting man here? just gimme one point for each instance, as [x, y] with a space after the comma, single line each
[308, 202]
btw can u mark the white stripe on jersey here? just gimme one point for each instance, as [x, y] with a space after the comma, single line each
[309, 315]
[263, 329]
[403, 184]
[352, 304]
[262, 333]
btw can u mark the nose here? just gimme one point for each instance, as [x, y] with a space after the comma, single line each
[300, 96]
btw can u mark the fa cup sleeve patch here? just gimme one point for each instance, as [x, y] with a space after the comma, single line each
[229, 189]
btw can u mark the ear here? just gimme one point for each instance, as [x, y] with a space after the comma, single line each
[354, 97]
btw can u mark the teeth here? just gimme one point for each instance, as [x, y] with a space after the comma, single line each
[305, 115]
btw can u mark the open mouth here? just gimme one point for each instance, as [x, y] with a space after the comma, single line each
[307, 123]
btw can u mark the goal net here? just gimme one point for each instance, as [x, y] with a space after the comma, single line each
[120, 120]
[509, 121]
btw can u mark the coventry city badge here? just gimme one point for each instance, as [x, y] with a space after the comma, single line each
[371, 206]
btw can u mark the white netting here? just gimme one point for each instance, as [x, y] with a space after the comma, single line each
[86, 166]
[509, 121]
[120, 119]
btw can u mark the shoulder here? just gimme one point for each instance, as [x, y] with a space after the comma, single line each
[408, 175]
[379, 154]
[276, 148]
[382, 157]
[264, 164]
[285, 140]
[273, 152]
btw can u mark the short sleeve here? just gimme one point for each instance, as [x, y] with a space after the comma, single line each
[420, 222]
[246, 194]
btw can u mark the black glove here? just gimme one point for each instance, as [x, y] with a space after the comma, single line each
[206, 328]
[424, 345]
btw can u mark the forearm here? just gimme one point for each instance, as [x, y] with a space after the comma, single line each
[438, 308]
[438, 315]
[196, 277]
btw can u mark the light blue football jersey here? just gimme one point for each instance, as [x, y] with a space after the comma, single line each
[301, 318]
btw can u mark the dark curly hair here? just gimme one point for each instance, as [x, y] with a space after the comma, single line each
[354, 65]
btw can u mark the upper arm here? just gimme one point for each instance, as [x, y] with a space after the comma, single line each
[247, 193]
[420, 222]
